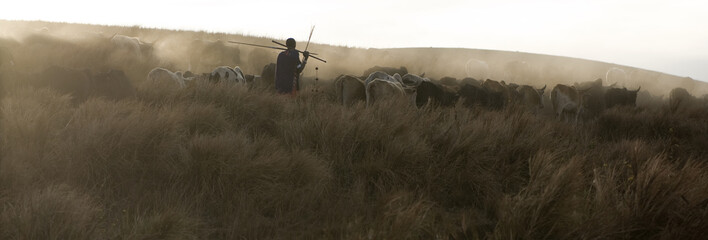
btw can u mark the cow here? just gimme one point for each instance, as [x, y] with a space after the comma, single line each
[449, 81]
[511, 86]
[267, 80]
[411, 83]
[379, 89]
[410, 80]
[531, 97]
[132, 44]
[250, 79]
[680, 100]
[593, 99]
[349, 90]
[228, 74]
[473, 95]
[567, 101]
[407, 86]
[112, 84]
[472, 81]
[498, 95]
[620, 97]
[383, 76]
[513, 95]
[388, 70]
[163, 75]
[268, 72]
[437, 94]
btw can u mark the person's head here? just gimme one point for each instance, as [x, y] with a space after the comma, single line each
[290, 43]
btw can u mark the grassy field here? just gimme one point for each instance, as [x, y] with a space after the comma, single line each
[219, 162]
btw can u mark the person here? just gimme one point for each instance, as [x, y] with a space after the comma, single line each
[288, 68]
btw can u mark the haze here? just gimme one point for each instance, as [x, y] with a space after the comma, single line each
[657, 35]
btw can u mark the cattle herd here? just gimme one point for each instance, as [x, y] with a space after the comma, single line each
[221, 74]
[420, 91]
[568, 103]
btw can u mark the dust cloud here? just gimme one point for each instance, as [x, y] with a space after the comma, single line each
[33, 46]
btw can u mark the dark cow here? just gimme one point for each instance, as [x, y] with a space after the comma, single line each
[680, 100]
[473, 95]
[388, 70]
[449, 81]
[112, 84]
[620, 97]
[531, 97]
[435, 93]
[472, 81]
[513, 94]
[593, 99]
[267, 80]
[498, 95]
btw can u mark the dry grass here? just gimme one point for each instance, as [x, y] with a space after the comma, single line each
[219, 162]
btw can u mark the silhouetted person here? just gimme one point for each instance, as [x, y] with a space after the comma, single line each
[288, 69]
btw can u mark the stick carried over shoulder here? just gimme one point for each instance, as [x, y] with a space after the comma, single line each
[324, 61]
[256, 45]
[279, 48]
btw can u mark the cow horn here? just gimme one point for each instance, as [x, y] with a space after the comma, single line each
[640, 87]
[544, 88]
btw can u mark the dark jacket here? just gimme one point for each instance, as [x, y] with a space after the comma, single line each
[287, 71]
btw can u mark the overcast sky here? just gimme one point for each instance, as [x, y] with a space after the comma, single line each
[667, 36]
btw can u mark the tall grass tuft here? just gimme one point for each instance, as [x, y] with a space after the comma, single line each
[54, 212]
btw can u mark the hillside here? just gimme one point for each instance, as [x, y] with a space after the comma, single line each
[104, 154]
[526, 68]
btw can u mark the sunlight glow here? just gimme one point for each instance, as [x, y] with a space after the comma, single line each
[668, 36]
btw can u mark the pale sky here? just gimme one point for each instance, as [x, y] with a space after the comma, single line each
[667, 36]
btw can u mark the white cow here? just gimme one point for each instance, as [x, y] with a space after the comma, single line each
[568, 101]
[132, 44]
[383, 76]
[412, 80]
[379, 89]
[406, 86]
[164, 75]
[349, 90]
[228, 74]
